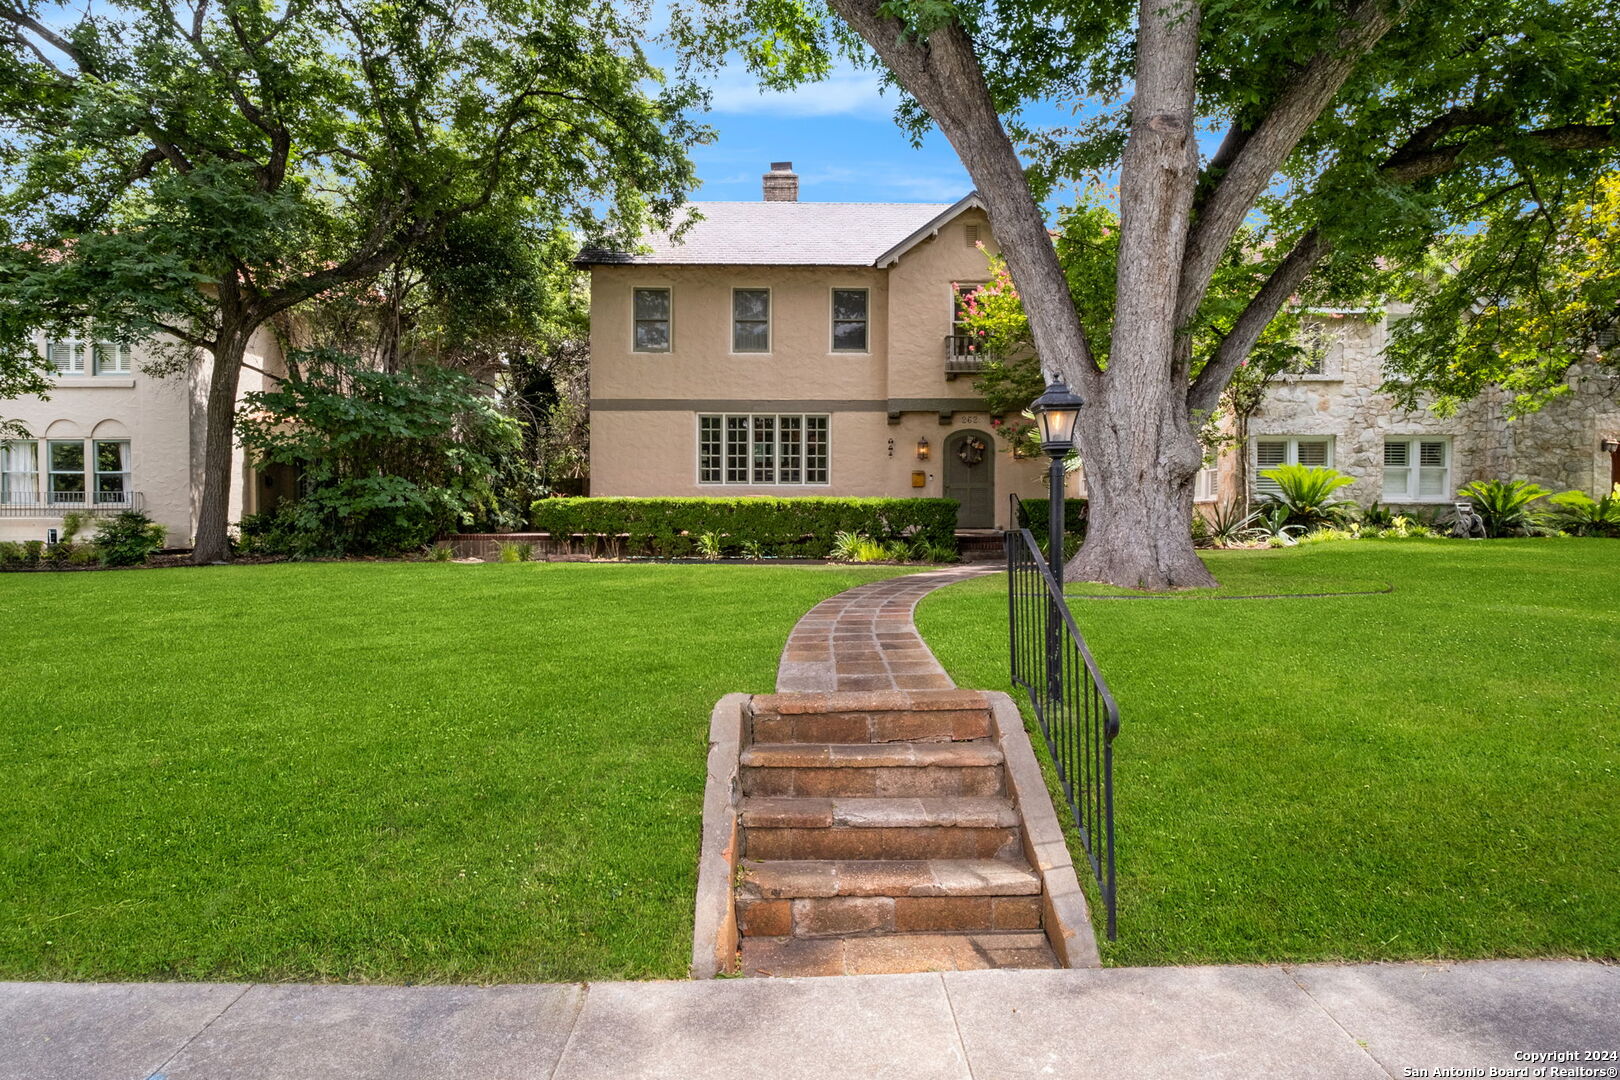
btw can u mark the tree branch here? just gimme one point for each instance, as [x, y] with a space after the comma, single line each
[1263, 152]
[941, 71]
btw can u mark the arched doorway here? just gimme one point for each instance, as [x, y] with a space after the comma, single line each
[970, 478]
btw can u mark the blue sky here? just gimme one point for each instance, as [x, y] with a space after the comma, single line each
[840, 135]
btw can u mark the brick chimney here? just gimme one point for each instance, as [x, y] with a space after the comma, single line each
[781, 183]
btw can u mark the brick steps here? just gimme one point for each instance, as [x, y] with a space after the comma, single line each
[872, 769]
[895, 953]
[923, 877]
[877, 835]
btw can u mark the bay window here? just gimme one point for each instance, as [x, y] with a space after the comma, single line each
[762, 448]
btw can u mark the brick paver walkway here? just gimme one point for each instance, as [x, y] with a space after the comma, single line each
[864, 639]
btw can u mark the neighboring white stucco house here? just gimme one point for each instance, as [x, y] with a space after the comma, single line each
[110, 437]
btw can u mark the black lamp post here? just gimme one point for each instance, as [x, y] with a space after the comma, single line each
[1057, 411]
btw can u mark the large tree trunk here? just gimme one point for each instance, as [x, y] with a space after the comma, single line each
[1142, 455]
[1137, 438]
[212, 544]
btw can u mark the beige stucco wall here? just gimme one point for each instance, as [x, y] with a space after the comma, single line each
[644, 406]
[161, 418]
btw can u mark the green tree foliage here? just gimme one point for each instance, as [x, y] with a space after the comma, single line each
[387, 459]
[1357, 133]
[1517, 304]
[196, 171]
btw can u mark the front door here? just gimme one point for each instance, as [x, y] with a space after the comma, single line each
[970, 478]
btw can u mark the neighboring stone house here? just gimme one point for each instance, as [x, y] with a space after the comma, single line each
[110, 437]
[794, 348]
[1330, 412]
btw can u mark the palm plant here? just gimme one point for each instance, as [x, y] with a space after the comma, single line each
[1582, 515]
[1229, 524]
[1506, 505]
[1272, 526]
[1305, 493]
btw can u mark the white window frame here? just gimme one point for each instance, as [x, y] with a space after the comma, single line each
[125, 474]
[85, 358]
[746, 424]
[635, 321]
[1414, 469]
[1263, 486]
[53, 496]
[833, 320]
[1207, 483]
[19, 487]
[770, 310]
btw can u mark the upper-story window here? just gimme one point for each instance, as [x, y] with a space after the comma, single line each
[1320, 345]
[849, 319]
[652, 319]
[751, 320]
[74, 357]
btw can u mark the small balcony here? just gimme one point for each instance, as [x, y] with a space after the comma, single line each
[54, 504]
[964, 355]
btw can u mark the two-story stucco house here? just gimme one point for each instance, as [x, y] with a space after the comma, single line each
[796, 348]
[111, 437]
[1329, 411]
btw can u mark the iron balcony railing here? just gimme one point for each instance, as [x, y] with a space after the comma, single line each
[964, 354]
[1070, 698]
[51, 504]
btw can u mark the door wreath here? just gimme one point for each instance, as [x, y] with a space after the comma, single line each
[971, 450]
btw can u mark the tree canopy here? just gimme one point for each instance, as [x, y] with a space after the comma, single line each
[195, 170]
[1354, 130]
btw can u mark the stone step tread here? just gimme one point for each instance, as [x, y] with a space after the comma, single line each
[888, 877]
[970, 812]
[971, 754]
[892, 954]
[824, 702]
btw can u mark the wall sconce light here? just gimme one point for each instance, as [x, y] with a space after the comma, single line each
[922, 448]
[1611, 446]
[891, 448]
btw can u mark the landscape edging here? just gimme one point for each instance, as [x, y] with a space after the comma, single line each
[714, 927]
[1067, 917]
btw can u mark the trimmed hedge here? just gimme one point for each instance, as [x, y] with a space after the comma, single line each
[781, 528]
[1074, 516]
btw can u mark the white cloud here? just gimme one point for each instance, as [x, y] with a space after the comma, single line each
[846, 92]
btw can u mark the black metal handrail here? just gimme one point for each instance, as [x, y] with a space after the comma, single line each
[1072, 703]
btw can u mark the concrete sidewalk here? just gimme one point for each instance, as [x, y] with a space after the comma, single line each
[1312, 1021]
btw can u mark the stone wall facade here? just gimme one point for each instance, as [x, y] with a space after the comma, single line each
[1559, 447]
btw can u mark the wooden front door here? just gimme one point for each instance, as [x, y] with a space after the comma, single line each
[970, 478]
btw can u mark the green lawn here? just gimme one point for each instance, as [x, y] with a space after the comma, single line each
[1429, 772]
[393, 772]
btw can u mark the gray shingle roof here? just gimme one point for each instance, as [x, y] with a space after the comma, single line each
[785, 234]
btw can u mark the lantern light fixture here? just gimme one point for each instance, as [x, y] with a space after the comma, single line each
[1057, 411]
[922, 448]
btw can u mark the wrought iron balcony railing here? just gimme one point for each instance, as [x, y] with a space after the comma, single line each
[53, 504]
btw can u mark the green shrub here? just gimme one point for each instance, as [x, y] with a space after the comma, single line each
[74, 522]
[805, 528]
[1306, 497]
[12, 555]
[1272, 526]
[33, 550]
[708, 545]
[1507, 507]
[516, 551]
[923, 551]
[1378, 515]
[1580, 514]
[1227, 525]
[82, 555]
[753, 550]
[441, 553]
[128, 539]
[1074, 515]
